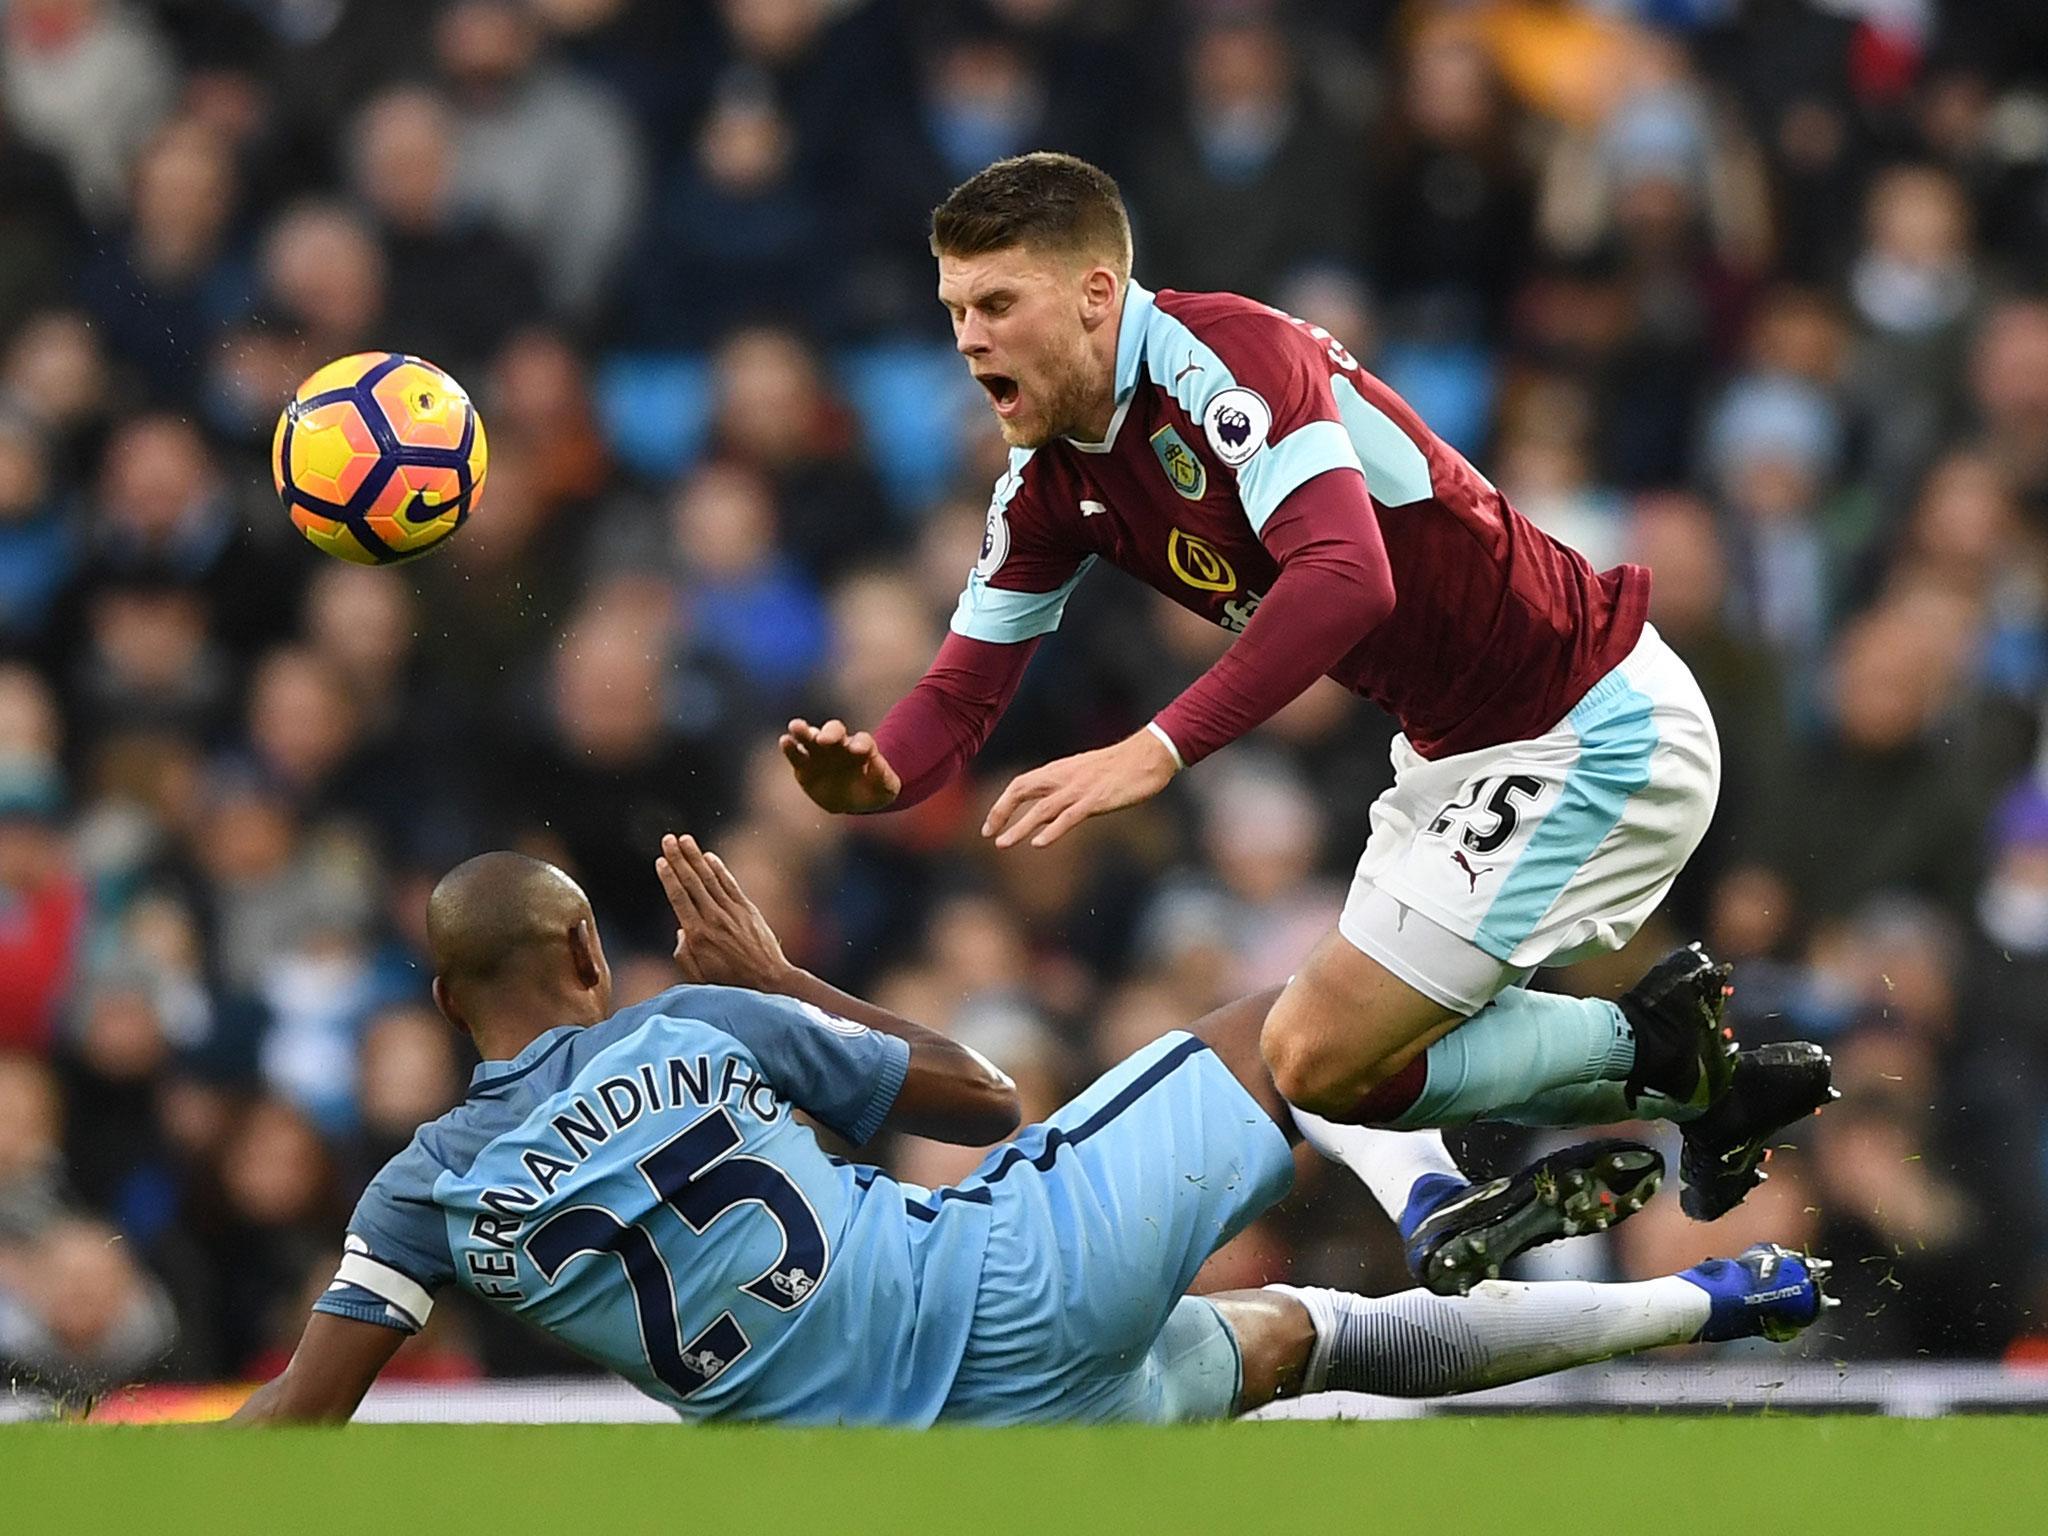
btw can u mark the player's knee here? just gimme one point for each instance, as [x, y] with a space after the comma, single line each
[1312, 1069]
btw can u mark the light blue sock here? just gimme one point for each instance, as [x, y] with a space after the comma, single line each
[1582, 1104]
[1519, 1047]
[1593, 1104]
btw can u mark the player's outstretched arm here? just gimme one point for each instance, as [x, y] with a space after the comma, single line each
[951, 1093]
[926, 739]
[332, 1368]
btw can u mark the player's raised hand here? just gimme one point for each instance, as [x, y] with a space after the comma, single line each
[843, 770]
[1047, 803]
[721, 936]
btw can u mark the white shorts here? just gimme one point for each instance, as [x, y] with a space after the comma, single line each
[1483, 866]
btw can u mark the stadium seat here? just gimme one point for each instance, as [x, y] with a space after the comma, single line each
[1451, 386]
[912, 398]
[656, 409]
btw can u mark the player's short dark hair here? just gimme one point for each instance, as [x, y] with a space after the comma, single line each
[1053, 201]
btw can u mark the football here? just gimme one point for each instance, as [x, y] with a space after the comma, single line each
[379, 457]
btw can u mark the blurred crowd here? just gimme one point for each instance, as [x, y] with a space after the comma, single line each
[1752, 291]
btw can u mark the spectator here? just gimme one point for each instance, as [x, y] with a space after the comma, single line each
[32, 1190]
[408, 1072]
[611, 774]
[84, 1316]
[168, 515]
[735, 236]
[841, 81]
[277, 1210]
[1261, 835]
[39, 226]
[37, 545]
[879, 633]
[56, 373]
[274, 887]
[42, 904]
[747, 605]
[170, 282]
[1244, 143]
[983, 102]
[1903, 805]
[324, 271]
[89, 80]
[304, 724]
[1915, 287]
[1740, 673]
[149, 658]
[1909, 1231]
[458, 286]
[1451, 201]
[1774, 446]
[551, 157]
[777, 415]
[537, 393]
[1546, 469]
[2009, 387]
[119, 1053]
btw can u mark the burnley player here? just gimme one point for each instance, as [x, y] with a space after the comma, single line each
[1557, 763]
[639, 1185]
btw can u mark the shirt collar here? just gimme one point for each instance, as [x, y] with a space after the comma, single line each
[1130, 338]
[1130, 356]
[536, 1048]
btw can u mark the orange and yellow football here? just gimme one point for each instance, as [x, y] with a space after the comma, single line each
[379, 457]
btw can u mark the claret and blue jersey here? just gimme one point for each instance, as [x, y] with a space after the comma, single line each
[642, 1190]
[1226, 409]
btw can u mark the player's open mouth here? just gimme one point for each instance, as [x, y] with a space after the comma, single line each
[1002, 391]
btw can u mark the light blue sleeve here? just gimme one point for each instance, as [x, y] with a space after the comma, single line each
[396, 1254]
[1283, 467]
[1003, 617]
[843, 1074]
[1039, 567]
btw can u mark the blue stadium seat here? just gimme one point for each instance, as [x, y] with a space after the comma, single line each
[913, 399]
[1451, 386]
[656, 409]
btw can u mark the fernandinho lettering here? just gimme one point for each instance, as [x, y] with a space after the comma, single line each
[591, 1118]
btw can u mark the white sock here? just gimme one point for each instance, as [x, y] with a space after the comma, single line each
[1419, 1345]
[1388, 1162]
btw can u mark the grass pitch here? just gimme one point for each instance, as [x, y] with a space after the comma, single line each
[1468, 1476]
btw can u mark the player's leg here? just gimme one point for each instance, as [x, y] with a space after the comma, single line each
[1343, 1025]
[1481, 1046]
[1292, 1342]
[1480, 868]
[1232, 1034]
[1099, 1218]
[1456, 1233]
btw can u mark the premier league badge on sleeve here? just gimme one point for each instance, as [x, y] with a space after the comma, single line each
[1236, 423]
[995, 542]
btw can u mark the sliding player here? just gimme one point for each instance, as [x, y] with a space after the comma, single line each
[637, 1184]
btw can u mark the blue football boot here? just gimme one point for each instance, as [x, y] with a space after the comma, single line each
[1767, 1292]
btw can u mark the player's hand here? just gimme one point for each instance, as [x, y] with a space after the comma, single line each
[844, 771]
[721, 936]
[1046, 803]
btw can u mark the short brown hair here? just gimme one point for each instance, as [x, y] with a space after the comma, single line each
[1043, 199]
